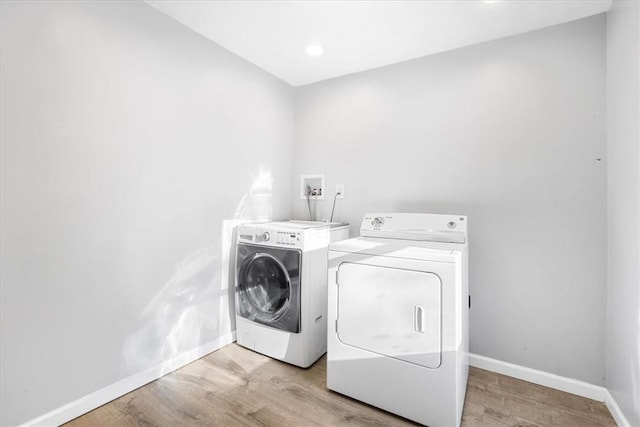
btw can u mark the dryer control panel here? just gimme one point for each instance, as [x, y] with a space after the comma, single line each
[415, 226]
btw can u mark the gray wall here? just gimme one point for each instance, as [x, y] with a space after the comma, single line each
[623, 156]
[126, 140]
[507, 132]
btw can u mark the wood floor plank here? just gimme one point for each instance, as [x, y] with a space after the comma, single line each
[238, 387]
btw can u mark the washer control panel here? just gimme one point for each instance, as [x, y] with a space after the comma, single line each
[270, 237]
[288, 238]
[262, 237]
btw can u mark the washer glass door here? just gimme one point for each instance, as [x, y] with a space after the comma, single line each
[267, 289]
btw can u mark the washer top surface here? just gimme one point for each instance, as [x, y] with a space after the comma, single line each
[286, 225]
[305, 225]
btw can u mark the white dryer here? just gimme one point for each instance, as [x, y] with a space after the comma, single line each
[281, 288]
[398, 316]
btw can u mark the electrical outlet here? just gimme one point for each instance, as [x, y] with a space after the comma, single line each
[340, 190]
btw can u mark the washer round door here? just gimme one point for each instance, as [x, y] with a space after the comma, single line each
[268, 286]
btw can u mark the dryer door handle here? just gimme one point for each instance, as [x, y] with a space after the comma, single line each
[418, 319]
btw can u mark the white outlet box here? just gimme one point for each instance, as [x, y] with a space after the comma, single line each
[315, 182]
[340, 191]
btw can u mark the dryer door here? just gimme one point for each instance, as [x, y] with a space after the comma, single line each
[268, 286]
[393, 312]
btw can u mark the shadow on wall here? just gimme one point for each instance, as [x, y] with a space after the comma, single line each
[195, 306]
[256, 205]
[185, 310]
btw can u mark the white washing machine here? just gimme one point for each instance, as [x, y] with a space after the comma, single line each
[281, 288]
[398, 315]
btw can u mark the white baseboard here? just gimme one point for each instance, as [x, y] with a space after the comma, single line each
[107, 394]
[546, 379]
[615, 410]
[557, 382]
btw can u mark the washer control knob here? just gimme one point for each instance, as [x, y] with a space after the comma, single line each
[377, 221]
[264, 237]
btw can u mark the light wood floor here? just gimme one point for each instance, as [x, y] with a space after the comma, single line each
[237, 387]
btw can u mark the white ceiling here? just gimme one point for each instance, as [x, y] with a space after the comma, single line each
[360, 35]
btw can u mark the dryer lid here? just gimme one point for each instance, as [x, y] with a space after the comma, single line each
[415, 226]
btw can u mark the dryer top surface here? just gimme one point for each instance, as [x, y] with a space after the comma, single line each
[395, 248]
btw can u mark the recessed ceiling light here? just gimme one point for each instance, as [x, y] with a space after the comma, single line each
[314, 50]
[489, 1]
